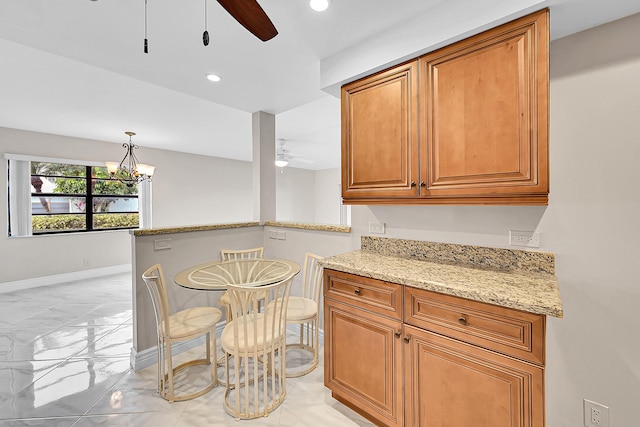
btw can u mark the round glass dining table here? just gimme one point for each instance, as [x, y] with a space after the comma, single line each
[216, 275]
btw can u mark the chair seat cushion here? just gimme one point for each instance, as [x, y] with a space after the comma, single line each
[225, 299]
[252, 333]
[300, 308]
[193, 321]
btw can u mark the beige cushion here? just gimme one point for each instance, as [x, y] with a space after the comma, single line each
[261, 340]
[225, 299]
[192, 321]
[300, 308]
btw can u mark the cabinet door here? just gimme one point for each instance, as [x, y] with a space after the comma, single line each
[451, 383]
[363, 363]
[484, 115]
[380, 135]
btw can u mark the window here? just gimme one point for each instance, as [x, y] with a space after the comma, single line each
[60, 197]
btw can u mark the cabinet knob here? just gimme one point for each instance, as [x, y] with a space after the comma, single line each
[462, 320]
[413, 183]
[357, 291]
[407, 339]
[423, 184]
[397, 334]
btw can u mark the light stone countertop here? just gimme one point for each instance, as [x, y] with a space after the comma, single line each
[310, 226]
[190, 228]
[533, 292]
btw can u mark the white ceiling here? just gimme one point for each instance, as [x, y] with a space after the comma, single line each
[77, 67]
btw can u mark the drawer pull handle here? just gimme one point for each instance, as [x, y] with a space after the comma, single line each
[397, 334]
[357, 291]
[462, 320]
[407, 339]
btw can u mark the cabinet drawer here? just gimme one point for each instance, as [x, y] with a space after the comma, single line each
[370, 294]
[508, 331]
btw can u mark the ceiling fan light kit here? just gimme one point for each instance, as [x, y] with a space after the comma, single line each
[281, 161]
[281, 154]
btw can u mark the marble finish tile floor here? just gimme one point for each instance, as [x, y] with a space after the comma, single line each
[64, 361]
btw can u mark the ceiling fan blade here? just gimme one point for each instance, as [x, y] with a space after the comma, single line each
[251, 16]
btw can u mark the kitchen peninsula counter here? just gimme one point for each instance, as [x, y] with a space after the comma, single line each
[522, 280]
[190, 228]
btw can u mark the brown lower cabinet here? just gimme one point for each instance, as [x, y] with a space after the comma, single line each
[400, 374]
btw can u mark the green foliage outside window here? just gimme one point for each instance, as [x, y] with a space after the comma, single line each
[77, 222]
[72, 179]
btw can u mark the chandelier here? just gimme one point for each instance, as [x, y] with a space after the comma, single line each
[129, 171]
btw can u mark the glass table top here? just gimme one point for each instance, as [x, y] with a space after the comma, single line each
[217, 275]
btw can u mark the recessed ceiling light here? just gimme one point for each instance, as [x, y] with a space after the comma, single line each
[319, 5]
[213, 77]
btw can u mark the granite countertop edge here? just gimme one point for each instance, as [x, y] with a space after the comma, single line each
[190, 228]
[536, 293]
[310, 226]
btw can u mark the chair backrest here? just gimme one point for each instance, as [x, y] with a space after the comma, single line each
[249, 302]
[230, 255]
[312, 277]
[154, 279]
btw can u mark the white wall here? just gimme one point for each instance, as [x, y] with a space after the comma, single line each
[308, 196]
[592, 223]
[188, 190]
[295, 195]
[328, 196]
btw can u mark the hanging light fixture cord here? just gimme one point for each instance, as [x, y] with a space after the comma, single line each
[205, 35]
[146, 41]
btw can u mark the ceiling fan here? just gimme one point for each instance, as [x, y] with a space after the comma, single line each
[247, 12]
[251, 16]
[283, 156]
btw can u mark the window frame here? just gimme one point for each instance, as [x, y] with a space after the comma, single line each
[143, 197]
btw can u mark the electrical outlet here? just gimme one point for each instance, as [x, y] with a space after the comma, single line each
[282, 235]
[161, 244]
[529, 239]
[376, 227]
[595, 414]
[273, 234]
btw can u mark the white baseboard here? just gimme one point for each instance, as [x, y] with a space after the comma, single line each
[56, 279]
[149, 356]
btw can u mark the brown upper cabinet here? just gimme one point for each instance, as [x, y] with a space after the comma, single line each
[466, 124]
[380, 134]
